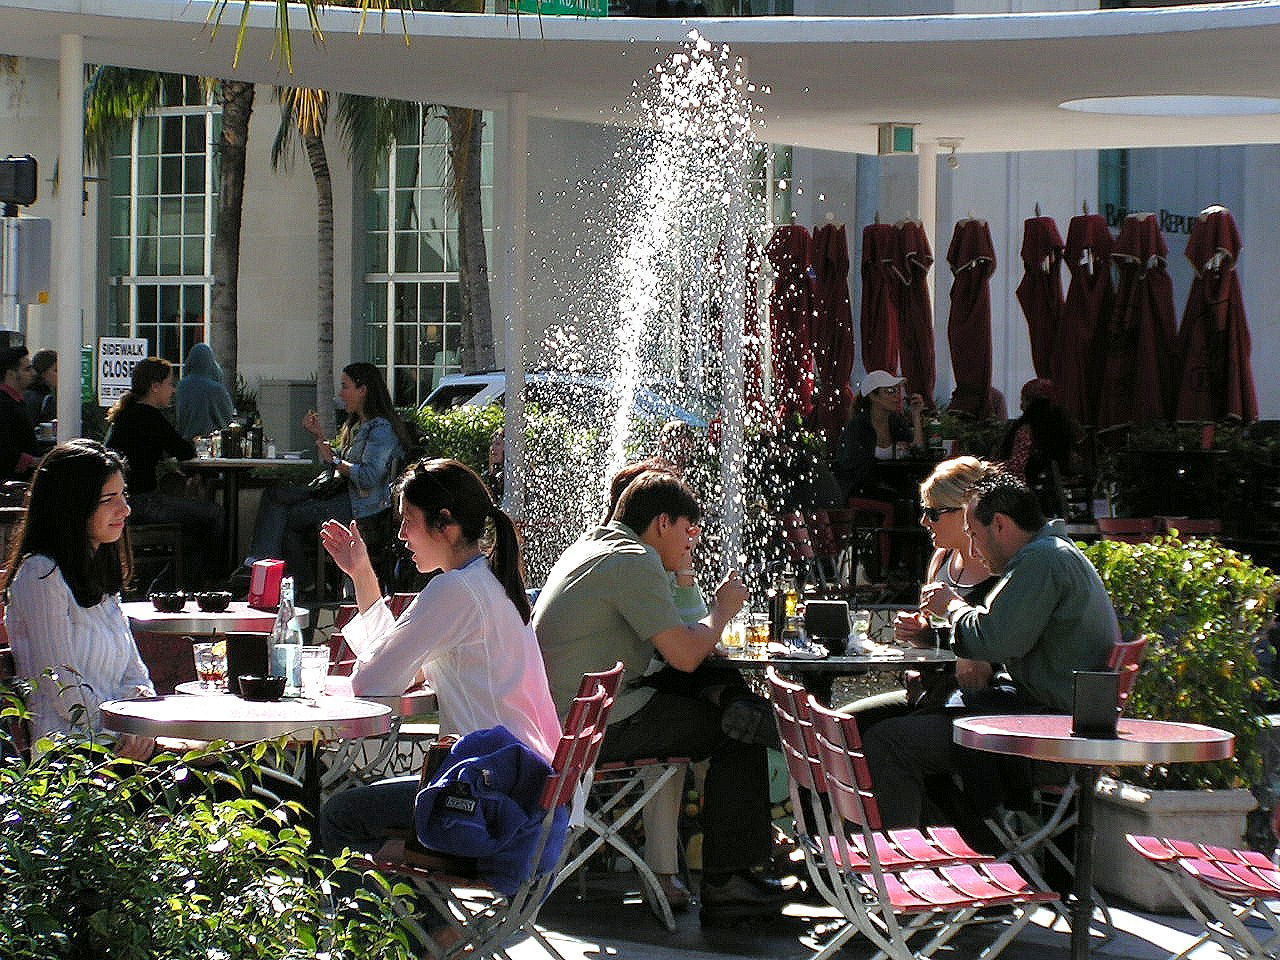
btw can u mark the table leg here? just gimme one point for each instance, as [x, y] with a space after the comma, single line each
[231, 516]
[1082, 907]
[311, 776]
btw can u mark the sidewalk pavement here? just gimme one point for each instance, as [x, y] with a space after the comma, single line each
[611, 921]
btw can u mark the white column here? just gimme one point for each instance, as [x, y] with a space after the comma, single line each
[70, 231]
[512, 154]
[927, 201]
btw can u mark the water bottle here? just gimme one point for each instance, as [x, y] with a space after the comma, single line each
[286, 642]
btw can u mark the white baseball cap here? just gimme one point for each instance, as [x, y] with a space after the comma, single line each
[877, 379]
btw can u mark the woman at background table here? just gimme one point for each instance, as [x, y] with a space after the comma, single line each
[143, 434]
[61, 589]
[1043, 438]
[369, 446]
[42, 395]
[204, 405]
[467, 633]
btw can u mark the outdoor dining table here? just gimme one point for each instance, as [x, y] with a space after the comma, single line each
[231, 470]
[227, 717]
[161, 637]
[818, 674]
[1137, 743]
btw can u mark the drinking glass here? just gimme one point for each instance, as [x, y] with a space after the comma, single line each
[735, 636]
[941, 632]
[758, 637]
[860, 625]
[211, 664]
[315, 667]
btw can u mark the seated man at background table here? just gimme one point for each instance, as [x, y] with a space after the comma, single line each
[1048, 616]
[17, 435]
[608, 598]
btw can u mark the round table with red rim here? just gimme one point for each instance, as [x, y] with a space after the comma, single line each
[1137, 743]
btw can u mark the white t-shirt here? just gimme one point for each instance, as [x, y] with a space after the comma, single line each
[481, 659]
[48, 629]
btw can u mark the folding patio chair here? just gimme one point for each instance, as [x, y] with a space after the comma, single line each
[1234, 893]
[908, 892]
[478, 920]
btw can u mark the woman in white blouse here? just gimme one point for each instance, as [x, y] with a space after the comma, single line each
[467, 633]
[61, 590]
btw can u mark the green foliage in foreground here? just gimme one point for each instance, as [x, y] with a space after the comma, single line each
[1203, 607]
[100, 858]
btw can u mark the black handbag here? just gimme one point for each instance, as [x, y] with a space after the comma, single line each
[327, 483]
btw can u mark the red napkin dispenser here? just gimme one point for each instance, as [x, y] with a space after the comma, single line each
[264, 584]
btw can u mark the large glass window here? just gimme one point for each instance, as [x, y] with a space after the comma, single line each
[414, 315]
[162, 197]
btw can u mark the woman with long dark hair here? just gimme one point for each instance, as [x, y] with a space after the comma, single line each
[143, 434]
[467, 633]
[61, 589]
[1042, 439]
[371, 442]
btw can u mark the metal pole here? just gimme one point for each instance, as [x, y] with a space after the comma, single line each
[70, 291]
[10, 312]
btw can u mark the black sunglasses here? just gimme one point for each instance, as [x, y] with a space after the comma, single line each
[934, 514]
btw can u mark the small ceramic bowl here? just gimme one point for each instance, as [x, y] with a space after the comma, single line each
[169, 602]
[213, 601]
[261, 688]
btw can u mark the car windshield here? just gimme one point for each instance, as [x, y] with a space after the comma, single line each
[450, 395]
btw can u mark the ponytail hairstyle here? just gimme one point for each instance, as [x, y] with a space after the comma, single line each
[447, 491]
[63, 496]
[149, 371]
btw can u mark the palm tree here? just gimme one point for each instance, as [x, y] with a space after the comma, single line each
[303, 114]
[114, 99]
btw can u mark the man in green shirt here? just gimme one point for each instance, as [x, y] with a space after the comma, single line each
[609, 598]
[1047, 617]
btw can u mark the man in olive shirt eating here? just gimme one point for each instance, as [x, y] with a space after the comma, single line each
[1047, 617]
[608, 598]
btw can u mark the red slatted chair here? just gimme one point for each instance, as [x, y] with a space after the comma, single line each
[905, 891]
[1232, 892]
[481, 921]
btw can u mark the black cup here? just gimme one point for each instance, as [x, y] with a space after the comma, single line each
[1095, 707]
[246, 655]
[261, 688]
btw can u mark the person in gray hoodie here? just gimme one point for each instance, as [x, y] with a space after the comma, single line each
[204, 405]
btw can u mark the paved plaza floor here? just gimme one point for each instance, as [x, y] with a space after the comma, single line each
[609, 922]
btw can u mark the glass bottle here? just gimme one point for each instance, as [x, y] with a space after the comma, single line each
[286, 642]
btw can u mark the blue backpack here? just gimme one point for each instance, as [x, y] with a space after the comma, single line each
[483, 803]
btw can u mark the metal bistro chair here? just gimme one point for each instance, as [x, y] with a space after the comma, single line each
[1234, 893]
[481, 921]
[909, 893]
[1032, 834]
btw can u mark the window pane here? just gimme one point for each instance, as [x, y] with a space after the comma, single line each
[432, 208]
[119, 265]
[119, 216]
[375, 210]
[432, 252]
[149, 135]
[193, 256]
[407, 253]
[171, 134]
[377, 253]
[195, 134]
[121, 169]
[148, 176]
[171, 256]
[193, 215]
[147, 257]
[406, 344]
[193, 174]
[170, 174]
[170, 216]
[146, 304]
[170, 303]
[406, 210]
[407, 162]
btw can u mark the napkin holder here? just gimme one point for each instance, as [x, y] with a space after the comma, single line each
[264, 584]
[246, 656]
[827, 621]
[1095, 705]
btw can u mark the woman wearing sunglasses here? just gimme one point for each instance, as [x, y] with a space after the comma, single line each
[953, 563]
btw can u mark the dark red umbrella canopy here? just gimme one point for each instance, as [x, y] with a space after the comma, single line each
[1040, 292]
[1217, 368]
[915, 312]
[973, 260]
[833, 343]
[1142, 352]
[879, 297]
[791, 307]
[1085, 314]
[753, 342]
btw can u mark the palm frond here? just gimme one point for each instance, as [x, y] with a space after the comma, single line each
[370, 125]
[113, 98]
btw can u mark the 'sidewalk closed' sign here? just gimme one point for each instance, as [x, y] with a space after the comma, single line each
[117, 356]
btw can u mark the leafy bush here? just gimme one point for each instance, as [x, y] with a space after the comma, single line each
[463, 433]
[1203, 607]
[105, 858]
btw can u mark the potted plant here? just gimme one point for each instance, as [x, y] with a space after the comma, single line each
[1202, 606]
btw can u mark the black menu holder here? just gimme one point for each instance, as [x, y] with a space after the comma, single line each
[247, 655]
[827, 621]
[1095, 705]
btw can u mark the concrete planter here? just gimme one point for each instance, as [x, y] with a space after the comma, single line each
[1209, 816]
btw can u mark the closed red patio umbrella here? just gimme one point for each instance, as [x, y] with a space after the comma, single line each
[1217, 368]
[972, 258]
[1040, 292]
[879, 297]
[1142, 356]
[915, 312]
[833, 342]
[791, 307]
[1085, 315]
